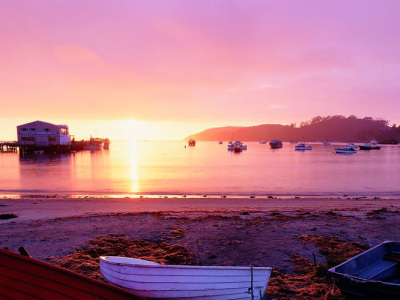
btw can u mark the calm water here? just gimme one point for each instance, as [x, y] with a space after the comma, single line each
[160, 168]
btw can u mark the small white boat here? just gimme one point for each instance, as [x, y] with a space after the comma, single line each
[302, 147]
[151, 280]
[326, 143]
[346, 149]
[351, 145]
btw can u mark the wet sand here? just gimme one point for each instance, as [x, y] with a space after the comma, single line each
[219, 231]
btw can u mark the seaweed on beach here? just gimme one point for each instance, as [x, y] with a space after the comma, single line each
[335, 250]
[86, 260]
[305, 284]
[310, 280]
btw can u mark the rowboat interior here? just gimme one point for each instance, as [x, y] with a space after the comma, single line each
[381, 263]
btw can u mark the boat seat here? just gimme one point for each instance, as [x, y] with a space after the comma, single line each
[379, 270]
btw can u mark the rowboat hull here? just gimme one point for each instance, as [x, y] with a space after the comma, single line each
[370, 275]
[151, 280]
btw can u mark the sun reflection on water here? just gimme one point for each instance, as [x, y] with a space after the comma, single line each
[133, 163]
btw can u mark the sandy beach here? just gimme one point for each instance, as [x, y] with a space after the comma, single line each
[217, 231]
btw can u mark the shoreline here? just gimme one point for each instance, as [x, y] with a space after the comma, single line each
[29, 209]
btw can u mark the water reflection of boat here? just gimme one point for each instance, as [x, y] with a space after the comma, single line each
[155, 281]
[373, 274]
[275, 144]
[302, 147]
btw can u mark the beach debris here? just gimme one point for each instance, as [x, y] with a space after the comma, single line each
[8, 216]
[377, 213]
[177, 233]
[86, 260]
[310, 280]
[23, 251]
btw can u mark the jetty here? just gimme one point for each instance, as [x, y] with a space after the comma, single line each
[8, 146]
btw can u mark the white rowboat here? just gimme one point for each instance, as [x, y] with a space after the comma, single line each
[152, 280]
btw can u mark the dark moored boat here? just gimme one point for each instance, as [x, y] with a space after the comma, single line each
[368, 146]
[373, 274]
[275, 144]
[192, 142]
[22, 277]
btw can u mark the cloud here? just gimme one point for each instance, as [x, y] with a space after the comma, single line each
[75, 54]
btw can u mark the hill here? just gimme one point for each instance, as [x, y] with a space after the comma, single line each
[332, 128]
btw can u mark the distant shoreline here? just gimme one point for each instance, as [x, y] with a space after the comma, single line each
[51, 195]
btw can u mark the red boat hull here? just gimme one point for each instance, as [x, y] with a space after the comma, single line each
[22, 277]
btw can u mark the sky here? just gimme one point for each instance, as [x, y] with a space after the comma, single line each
[164, 69]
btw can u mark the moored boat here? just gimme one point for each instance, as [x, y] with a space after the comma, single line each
[263, 142]
[369, 146]
[373, 274]
[93, 144]
[220, 142]
[352, 145]
[237, 144]
[192, 142]
[237, 148]
[106, 144]
[349, 149]
[275, 144]
[152, 280]
[325, 143]
[302, 147]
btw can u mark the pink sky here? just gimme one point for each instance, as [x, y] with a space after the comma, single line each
[204, 63]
